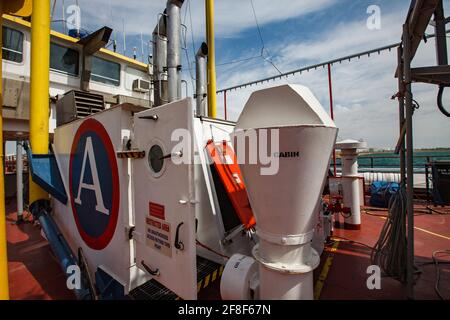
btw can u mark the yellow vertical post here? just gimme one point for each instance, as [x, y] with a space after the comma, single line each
[19, 8]
[212, 104]
[39, 95]
[4, 287]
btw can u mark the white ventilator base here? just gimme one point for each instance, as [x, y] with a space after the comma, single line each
[285, 286]
[350, 180]
[237, 276]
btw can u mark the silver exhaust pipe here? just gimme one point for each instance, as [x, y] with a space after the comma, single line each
[174, 49]
[201, 81]
[160, 62]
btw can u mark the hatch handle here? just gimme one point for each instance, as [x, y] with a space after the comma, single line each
[153, 117]
[149, 270]
[179, 244]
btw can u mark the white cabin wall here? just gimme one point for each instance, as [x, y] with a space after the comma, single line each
[60, 83]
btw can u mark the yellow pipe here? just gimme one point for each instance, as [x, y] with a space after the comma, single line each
[39, 97]
[4, 287]
[212, 104]
[20, 8]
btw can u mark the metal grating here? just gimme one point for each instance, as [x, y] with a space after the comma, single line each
[153, 290]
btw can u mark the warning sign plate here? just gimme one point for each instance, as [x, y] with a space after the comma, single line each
[158, 235]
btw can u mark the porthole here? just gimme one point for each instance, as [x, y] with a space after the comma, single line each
[156, 160]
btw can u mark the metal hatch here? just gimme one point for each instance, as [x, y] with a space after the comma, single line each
[163, 197]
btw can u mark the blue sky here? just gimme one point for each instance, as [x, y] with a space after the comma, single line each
[296, 33]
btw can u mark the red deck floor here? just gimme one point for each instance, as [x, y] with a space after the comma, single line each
[347, 275]
[35, 274]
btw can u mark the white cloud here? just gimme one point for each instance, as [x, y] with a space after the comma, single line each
[231, 16]
[362, 89]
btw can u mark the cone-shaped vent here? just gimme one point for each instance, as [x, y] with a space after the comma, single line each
[294, 138]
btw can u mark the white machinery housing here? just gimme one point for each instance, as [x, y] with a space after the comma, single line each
[170, 200]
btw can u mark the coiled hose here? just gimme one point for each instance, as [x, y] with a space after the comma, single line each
[389, 252]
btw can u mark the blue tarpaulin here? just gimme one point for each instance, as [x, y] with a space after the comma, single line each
[381, 192]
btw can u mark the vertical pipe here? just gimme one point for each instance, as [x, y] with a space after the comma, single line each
[201, 81]
[39, 97]
[160, 62]
[427, 182]
[401, 108]
[19, 181]
[4, 287]
[330, 89]
[225, 105]
[409, 160]
[350, 184]
[174, 49]
[212, 104]
[441, 36]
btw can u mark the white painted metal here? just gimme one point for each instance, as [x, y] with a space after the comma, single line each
[320, 233]
[19, 177]
[173, 189]
[285, 204]
[350, 179]
[118, 258]
[239, 271]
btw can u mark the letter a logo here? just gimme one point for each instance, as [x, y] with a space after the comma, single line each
[89, 154]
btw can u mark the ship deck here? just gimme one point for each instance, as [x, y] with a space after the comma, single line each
[35, 274]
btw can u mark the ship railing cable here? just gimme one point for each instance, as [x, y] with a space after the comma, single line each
[185, 46]
[266, 57]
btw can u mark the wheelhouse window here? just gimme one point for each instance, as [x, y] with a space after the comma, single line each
[12, 45]
[105, 71]
[64, 60]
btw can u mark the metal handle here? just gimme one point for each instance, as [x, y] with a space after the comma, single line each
[153, 117]
[170, 155]
[179, 244]
[149, 270]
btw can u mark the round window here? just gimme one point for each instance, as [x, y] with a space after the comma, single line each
[156, 158]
